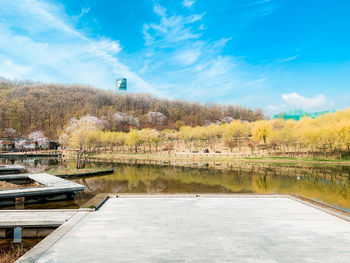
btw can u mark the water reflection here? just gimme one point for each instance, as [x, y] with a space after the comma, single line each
[33, 165]
[329, 184]
[326, 183]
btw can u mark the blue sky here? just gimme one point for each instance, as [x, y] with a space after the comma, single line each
[272, 54]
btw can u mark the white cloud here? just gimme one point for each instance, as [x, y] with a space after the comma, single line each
[288, 59]
[10, 69]
[188, 57]
[184, 65]
[171, 29]
[273, 107]
[296, 100]
[49, 48]
[176, 60]
[188, 3]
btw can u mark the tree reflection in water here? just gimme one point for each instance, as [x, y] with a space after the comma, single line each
[329, 184]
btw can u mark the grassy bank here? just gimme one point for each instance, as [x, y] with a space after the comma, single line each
[298, 159]
[218, 158]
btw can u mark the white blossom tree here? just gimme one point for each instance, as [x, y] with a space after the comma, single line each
[39, 138]
[10, 133]
[122, 120]
[20, 144]
[156, 118]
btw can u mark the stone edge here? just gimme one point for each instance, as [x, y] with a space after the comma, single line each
[38, 250]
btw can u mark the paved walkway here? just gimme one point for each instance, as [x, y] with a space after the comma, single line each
[202, 229]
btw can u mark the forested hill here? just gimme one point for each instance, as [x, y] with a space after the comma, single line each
[28, 107]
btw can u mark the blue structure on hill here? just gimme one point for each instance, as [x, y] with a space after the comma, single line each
[298, 114]
[122, 85]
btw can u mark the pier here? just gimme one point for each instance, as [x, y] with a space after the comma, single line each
[205, 228]
[50, 188]
[38, 154]
[10, 169]
[34, 223]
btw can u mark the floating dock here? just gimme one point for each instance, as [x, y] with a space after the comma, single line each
[34, 223]
[51, 188]
[29, 154]
[205, 228]
[11, 169]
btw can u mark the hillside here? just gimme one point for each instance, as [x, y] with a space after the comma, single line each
[27, 107]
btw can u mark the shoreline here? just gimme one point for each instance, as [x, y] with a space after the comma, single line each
[214, 159]
[72, 173]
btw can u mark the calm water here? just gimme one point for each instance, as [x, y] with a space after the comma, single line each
[329, 184]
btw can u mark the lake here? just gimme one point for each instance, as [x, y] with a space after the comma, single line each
[326, 183]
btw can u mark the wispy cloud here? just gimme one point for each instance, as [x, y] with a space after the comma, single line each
[39, 41]
[188, 3]
[183, 64]
[170, 29]
[288, 59]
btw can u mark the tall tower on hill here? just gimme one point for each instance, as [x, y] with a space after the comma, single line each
[122, 85]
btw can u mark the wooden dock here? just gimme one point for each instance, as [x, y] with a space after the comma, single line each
[35, 218]
[10, 169]
[51, 188]
[30, 154]
[35, 223]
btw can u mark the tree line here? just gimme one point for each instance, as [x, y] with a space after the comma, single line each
[327, 134]
[28, 106]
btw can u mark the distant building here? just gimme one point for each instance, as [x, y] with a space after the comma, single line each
[6, 145]
[29, 145]
[22, 144]
[122, 85]
[298, 114]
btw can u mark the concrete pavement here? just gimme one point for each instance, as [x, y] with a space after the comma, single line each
[198, 229]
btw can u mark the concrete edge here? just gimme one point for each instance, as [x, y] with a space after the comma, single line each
[39, 249]
[324, 208]
[102, 203]
[37, 224]
[202, 195]
[96, 202]
[40, 211]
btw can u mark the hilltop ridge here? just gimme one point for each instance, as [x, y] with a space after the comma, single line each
[30, 106]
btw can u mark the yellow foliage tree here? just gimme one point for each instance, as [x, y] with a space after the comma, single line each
[261, 131]
[134, 139]
[82, 138]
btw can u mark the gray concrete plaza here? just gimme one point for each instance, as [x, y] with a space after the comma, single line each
[202, 229]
